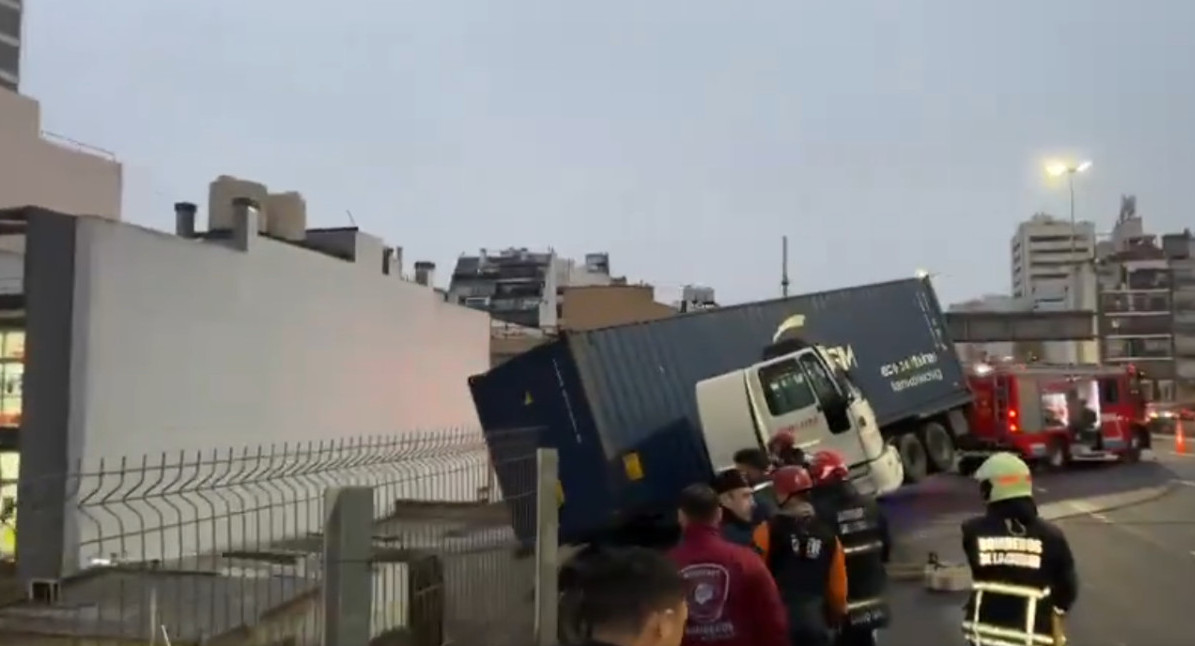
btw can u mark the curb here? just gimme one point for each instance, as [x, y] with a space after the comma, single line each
[910, 571]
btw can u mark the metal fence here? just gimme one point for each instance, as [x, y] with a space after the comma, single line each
[399, 540]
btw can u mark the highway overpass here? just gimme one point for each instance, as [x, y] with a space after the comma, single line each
[984, 327]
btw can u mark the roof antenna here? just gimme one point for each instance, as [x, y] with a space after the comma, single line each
[350, 214]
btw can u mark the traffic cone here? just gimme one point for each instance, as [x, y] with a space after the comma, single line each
[1180, 439]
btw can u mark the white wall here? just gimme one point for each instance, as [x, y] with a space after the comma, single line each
[54, 174]
[182, 345]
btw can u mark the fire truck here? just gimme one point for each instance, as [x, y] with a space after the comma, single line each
[1053, 415]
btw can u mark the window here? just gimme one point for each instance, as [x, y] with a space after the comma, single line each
[10, 21]
[12, 376]
[784, 388]
[819, 378]
[10, 58]
[1109, 391]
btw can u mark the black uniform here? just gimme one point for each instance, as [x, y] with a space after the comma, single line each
[863, 531]
[801, 556]
[1016, 558]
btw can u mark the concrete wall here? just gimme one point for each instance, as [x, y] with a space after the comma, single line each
[183, 350]
[54, 174]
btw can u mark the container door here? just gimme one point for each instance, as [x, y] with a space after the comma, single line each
[788, 402]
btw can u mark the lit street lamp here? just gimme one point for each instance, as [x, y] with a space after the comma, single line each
[1058, 169]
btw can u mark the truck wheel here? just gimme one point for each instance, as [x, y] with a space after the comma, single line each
[939, 447]
[912, 454]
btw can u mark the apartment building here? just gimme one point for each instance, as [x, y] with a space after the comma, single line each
[1043, 251]
[1146, 295]
[11, 19]
[524, 287]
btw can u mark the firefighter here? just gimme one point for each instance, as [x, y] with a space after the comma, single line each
[863, 531]
[732, 600]
[1023, 574]
[754, 464]
[784, 450]
[806, 559]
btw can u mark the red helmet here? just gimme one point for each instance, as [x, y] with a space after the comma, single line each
[790, 480]
[782, 440]
[828, 467]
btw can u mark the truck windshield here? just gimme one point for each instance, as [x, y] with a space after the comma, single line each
[785, 388]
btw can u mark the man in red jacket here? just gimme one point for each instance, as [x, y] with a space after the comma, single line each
[733, 600]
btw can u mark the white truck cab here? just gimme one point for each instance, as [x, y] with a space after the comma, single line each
[807, 393]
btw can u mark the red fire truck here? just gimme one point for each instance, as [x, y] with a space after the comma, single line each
[1054, 414]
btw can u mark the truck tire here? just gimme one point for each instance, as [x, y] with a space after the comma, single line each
[912, 455]
[939, 447]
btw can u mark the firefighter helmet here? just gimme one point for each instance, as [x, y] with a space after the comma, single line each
[1004, 476]
[781, 441]
[789, 480]
[828, 467]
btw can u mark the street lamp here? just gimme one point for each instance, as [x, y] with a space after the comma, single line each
[1058, 169]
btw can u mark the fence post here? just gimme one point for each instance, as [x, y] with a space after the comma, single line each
[348, 548]
[547, 540]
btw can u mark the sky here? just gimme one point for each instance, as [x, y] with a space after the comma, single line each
[685, 137]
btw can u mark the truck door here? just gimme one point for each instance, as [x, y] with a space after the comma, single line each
[842, 436]
[1114, 414]
[788, 402]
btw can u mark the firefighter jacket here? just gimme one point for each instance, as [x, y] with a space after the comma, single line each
[1023, 576]
[732, 599]
[863, 531]
[807, 562]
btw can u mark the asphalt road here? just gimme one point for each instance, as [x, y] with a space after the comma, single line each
[1136, 565]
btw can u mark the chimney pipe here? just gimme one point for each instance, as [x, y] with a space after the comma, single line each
[184, 219]
[425, 273]
[245, 214]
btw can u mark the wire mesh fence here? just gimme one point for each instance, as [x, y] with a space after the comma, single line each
[228, 546]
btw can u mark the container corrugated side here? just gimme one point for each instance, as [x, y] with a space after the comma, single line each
[639, 378]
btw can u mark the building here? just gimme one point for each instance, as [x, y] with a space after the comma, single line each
[588, 307]
[141, 341]
[1136, 316]
[1043, 250]
[49, 171]
[1051, 265]
[10, 44]
[1180, 250]
[524, 287]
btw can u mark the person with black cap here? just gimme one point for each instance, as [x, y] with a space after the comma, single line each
[741, 516]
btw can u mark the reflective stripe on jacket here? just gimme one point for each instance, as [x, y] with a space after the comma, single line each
[979, 633]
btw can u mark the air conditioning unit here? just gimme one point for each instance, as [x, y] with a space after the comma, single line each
[477, 301]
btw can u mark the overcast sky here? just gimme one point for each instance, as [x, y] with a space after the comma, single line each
[685, 137]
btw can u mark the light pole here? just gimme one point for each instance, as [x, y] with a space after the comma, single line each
[1058, 169]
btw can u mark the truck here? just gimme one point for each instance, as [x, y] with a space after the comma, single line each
[1028, 409]
[637, 412]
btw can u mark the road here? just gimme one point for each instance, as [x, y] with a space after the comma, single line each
[1136, 565]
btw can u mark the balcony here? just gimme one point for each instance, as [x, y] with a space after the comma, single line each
[1131, 349]
[1136, 324]
[1128, 302]
[1149, 279]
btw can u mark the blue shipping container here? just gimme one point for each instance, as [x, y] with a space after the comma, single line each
[619, 403]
